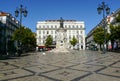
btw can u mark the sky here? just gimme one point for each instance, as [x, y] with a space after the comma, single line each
[40, 10]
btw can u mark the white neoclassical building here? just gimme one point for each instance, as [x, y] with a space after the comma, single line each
[72, 28]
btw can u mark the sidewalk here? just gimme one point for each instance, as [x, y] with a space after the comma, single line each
[70, 66]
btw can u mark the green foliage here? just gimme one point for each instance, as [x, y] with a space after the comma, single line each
[49, 41]
[98, 35]
[115, 32]
[107, 37]
[118, 18]
[25, 36]
[73, 41]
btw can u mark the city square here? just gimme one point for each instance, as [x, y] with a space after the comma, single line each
[60, 40]
[74, 65]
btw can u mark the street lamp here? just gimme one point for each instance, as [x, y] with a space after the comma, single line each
[21, 10]
[102, 8]
[24, 12]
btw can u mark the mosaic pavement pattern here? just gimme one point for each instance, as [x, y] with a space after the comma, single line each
[70, 66]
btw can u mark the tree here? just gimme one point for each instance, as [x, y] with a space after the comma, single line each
[115, 31]
[26, 37]
[49, 41]
[118, 27]
[98, 35]
[73, 41]
[118, 18]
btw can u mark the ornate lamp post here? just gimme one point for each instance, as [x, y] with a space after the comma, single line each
[103, 8]
[22, 11]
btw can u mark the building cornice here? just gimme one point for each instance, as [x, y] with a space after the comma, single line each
[58, 28]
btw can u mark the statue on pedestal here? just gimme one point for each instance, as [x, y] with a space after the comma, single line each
[61, 33]
[61, 38]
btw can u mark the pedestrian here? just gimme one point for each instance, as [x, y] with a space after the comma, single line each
[109, 47]
[37, 48]
[115, 45]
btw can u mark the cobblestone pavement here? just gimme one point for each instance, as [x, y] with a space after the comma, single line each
[70, 66]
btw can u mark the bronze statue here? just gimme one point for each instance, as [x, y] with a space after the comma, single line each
[61, 22]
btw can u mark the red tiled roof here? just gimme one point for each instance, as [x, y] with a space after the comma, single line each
[3, 14]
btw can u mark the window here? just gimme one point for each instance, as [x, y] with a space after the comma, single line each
[43, 32]
[55, 32]
[80, 26]
[43, 37]
[77, 26]
[69, 37]
[65, 26]
[55, 37]
[39, 26]
[47, 32]
[55, 26]
[81, 41]
[43, 26]
[51, 31]
[73, 26]
[77, 31]
[39, 32]
[47, 26]
[1, 18]
[51, 26]
[77, 36]
[69, 26]
[69, 31]
[81, 32]
[43, 42]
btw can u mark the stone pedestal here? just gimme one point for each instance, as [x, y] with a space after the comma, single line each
[61, 38]
[61, 41]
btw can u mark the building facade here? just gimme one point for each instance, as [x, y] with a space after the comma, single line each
[8, 24]
[72, 27]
